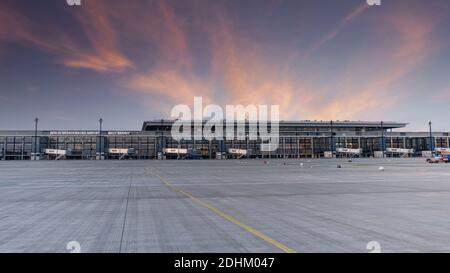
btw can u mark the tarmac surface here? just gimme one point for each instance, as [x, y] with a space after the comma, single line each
[225, 206]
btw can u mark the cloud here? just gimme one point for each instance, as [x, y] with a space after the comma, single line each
[152, 30]
[412, 45]
[347, 20]
[237, 73]
[249, 77]
[105, 54]
[155, 49]
[101, 53]
[170, 87]
[246, 77]
[241, 73]
[171, 79]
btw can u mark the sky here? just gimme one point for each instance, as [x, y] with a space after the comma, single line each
[130, 61]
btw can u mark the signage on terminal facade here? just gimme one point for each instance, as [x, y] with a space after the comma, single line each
[119, 133]
[87, 133]
[73, 133]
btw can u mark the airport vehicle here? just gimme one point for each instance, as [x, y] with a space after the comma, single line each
[445, 158]
[435, 159]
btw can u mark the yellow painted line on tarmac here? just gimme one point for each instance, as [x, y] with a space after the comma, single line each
[229, 218]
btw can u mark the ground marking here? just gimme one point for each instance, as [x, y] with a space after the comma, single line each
[229, 218]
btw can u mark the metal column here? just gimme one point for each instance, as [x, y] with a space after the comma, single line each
[431, 139]
[383, 146]
[332, 138]
[4, 149]
[247, 146]
[36, 120]
[210, 148]
[139, 148]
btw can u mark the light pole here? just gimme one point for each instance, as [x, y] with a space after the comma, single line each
[36, 120]
[332, 138]
[382, 139]
[100, 138]
[431, 139]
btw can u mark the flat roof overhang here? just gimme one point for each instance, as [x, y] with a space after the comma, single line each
[305, 123]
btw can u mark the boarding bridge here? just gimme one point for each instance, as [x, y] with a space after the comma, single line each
[121, 153]
[57, 154]
[238, 153]
[176, 153]
[399, 152]
[346, 152]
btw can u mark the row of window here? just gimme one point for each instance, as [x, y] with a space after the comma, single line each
[150, 146]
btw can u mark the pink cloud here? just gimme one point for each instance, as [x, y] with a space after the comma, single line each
[103, 55]
[413, 44]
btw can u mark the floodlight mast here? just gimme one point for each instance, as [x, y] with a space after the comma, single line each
[431, 139]
[100, 138]
[36, 120]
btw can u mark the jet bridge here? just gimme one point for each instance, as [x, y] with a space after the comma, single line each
[398, 152]
[57, 154]
[346, 152]
[118, 153]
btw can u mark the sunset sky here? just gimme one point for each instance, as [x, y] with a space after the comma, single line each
[130, 61]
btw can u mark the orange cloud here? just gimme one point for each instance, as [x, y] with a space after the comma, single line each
[239, 75]
[250, 78]
[240, 71]
[153, 30]
[245, 75]
[104, 56]
[414, 44]
[170, 86]
[171, 79]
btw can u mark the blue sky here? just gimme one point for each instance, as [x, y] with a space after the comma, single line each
[129, 61]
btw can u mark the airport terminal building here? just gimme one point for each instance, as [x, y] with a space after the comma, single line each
[298, 139]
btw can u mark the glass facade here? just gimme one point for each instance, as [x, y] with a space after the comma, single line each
[297, 140]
